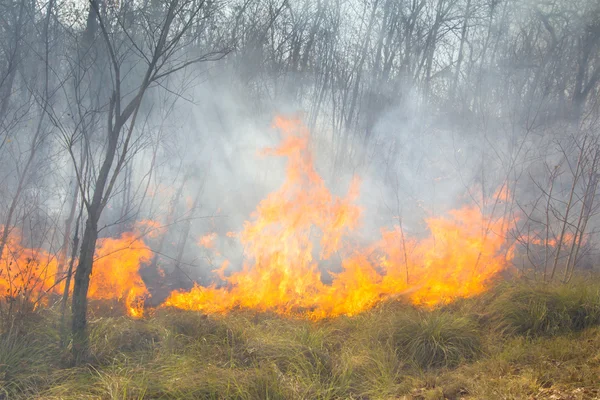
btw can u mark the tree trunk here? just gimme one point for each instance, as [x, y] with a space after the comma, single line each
[171, 217]
[179, 273]
[23, 177]
[88, 247]
[80, 289]
[65, 299]
[7, 81]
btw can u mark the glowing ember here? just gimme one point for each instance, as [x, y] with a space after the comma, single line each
[302, 222]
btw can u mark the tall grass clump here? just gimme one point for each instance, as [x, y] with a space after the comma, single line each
[542, 310]
[437, 338]
[25, 357]
[15, 354]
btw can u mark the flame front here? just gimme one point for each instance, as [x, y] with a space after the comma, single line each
[293, 231]
[302, 223]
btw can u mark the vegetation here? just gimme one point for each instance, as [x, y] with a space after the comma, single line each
[517, 341]
[140, 121]
[433, 339]
[542, 310]
[115, 113]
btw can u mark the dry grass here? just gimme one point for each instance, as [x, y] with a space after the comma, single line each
[518, 341]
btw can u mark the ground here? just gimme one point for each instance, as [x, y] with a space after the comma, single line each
[518, 341]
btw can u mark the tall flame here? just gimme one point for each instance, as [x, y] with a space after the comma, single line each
[292, 230]
[116, 271]
[302, 223]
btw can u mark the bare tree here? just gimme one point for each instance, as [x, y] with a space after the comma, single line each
[162, 58]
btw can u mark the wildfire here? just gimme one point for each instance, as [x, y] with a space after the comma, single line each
[551, 241]
[502, 194]
[302, 223]
[24, 271]
[292, 232]
[35, 273]
[116, 272]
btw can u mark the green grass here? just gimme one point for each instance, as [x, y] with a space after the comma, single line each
[535, 309]
[437, 339]
[517, 341]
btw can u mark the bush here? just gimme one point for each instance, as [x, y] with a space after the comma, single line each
[437, 339]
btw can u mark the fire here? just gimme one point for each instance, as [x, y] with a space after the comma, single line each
[302, 223]
[502, 194]
[551, 241]
[24, 271]
[457, 260]
[207, 241]
[116, 271]
[149, 228]
[293, 231]
[34, 273]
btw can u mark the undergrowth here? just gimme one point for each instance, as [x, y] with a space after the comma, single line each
[516, 341]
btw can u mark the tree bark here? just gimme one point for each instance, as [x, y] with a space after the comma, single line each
[80, 289]
[88, 247]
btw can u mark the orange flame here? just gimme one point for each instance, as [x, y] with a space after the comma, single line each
[116, 272]
[502, 194]
[302, 222]
[291, 231]
[32, 273]
[536, 239]
[24, 271]
[208, 241]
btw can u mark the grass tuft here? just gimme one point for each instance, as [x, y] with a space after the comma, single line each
[437, 339]
[537, 310]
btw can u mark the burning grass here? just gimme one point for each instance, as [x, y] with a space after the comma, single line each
[392, 351]
[294, 231]
[302, 224]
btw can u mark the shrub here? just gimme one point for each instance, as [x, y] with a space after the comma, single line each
[437, 339]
